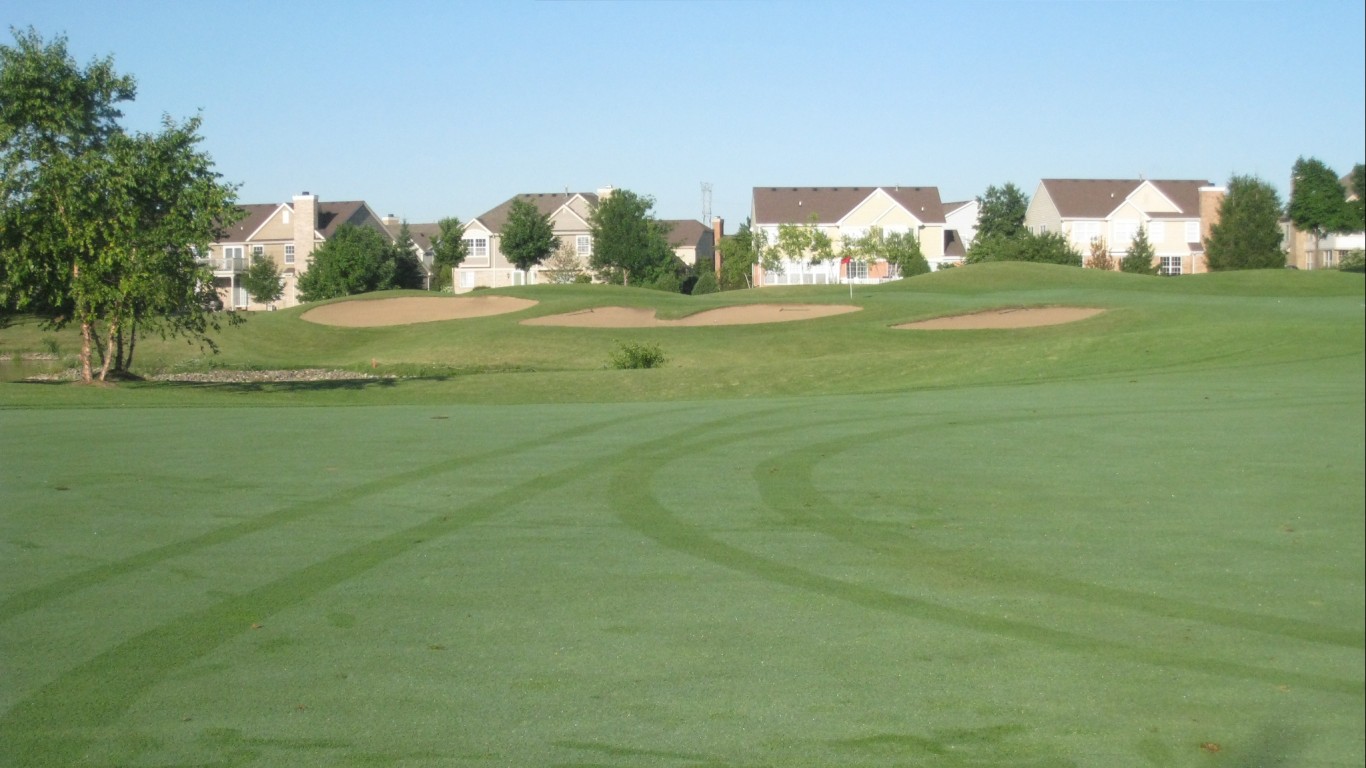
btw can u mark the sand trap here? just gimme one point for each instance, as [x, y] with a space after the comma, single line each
[750, 314]
[1006, 318]
[412, 309]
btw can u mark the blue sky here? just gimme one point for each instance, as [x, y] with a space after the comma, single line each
[433, 109]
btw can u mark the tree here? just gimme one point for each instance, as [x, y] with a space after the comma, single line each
[1100, 255]
[407, 267]
[1318, 203]
[449, 250]
[1139, 259]
[629, 243]
[262, 279]
[738, 256]
[1047, 248]
[1001, 212]
[902, 251]
[1356, 209]
[100, 227]
[355, 260]
[564, 266]
[801, 243]
[528, 237]
[1248, 235]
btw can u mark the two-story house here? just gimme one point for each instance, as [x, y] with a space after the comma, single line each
[288, 233]
[1301, 252]
[840, 212]
[485, 266]
[1176, 215]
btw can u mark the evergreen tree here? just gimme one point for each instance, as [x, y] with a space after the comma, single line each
[1140, 259]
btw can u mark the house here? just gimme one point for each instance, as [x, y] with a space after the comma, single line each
[485, 266]
[960, 227]
[1300, 250]
[1176, 214]
[841, 212]
[422, 236]
[288, 233]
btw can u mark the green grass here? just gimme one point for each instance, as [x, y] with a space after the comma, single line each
[823, 543]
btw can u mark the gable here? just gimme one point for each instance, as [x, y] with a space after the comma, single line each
[1149, 199]
[879, 210]
[277, 227]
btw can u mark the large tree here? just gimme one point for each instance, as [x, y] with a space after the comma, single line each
[1356, 208]
[407, 265]
[528, 236]
[738, 256]
[449, 250]
[100, 227]
[1248, 235]
[1001, 212]
[354, 260]
[1318, 203]
[629, 243]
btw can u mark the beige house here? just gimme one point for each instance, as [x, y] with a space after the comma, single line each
[841, 212]
[288, 233]
[485, 266]
[1177, 216]
[960, 227]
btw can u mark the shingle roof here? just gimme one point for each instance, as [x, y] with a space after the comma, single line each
[330, 216]
[256, 215]
[1098, 198]
[690, 232]
[547, 203]
[795, 205]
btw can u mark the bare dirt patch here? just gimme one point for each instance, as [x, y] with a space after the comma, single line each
[1032, 317]
[749, 314]
[412, 309]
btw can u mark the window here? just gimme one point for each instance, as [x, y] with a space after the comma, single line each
[858, 270]
[289, 253]
[1122, 232]
[1157, 231]
[1192, 231]
[466, 279]
[232, 257]
[583, 245]
[478, 247]
[1084, 232]
[1171, 265]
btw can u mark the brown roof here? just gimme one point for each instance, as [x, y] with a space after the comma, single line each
[1098, 198]
[795, 205]
[953, 243]
[547, 203]
[256, 215]
[330, 216]
[687, 232]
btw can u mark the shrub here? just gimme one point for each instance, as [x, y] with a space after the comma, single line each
[706, 283]
[1353, 262]
[633, 355]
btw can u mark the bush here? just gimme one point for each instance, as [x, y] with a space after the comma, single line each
[632, 355]
[706, 283]
[1353, 262]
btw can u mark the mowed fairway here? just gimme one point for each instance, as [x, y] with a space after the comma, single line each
[1136, 540]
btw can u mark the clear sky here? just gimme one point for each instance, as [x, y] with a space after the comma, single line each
[434, 109]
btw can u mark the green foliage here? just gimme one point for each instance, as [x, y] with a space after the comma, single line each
[901, 250]
[1048, 248]
[355, 260]
[1248, 235]
[706, 283]
[407, 265]
[801, 243]
[564, 266]
[528, 236]
[738, 257]
[100, 227]
[1356, 208]
[1100, 256]
[1318, 203]
[1354, 261]
[262, 280]
[629, 245]
[1001, 212]
[449, 251]
[1140, 259]
[637, 355]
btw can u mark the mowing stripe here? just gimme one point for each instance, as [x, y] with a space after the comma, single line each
[58, 720]
[637, 507]
[792, 495]
[36, 597]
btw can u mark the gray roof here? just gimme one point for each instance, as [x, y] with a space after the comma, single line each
[687, 232]
[330, 216]
[796, 205]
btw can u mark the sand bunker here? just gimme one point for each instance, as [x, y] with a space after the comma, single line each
[750, 314]
[1006, 318]
[412, 309]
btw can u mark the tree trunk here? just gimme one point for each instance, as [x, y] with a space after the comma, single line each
[118, 349]
[109, 354]
[87, 375]
[132, 344]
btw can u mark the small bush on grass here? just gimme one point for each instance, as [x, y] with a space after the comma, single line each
[632, 355]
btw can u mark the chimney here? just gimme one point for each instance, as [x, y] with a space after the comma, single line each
[305, 228]
[1211, 198]
[390, 221]
[718, 231]
[604, 192]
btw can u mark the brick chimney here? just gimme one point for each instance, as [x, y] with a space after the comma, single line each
[305, 228]
[718, 231]
[1210, 200]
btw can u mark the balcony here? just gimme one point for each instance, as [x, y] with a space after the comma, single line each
[225, 265]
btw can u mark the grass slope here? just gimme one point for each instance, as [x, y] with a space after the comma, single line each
[1133, 541]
